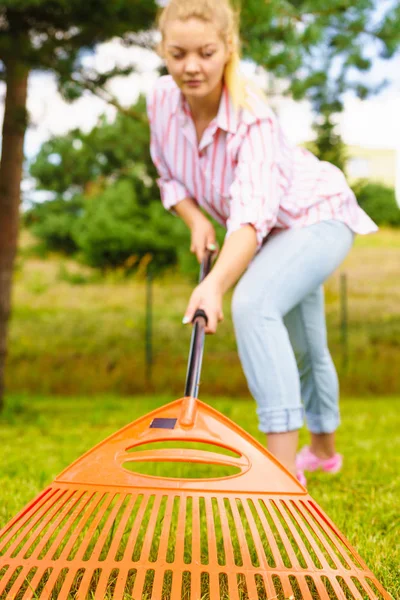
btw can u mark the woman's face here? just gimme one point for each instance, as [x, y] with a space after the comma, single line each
[195, 56]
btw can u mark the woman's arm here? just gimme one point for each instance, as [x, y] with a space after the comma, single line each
[203, 232]
[237, 252]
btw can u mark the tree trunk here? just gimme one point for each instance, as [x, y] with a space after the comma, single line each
[12, 156]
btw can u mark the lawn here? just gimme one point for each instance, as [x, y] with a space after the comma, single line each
[40, 436]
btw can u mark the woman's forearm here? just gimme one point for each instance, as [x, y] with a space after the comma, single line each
[188, 211]
[236, 254]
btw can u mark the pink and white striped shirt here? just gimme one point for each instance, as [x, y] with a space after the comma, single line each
[244, 171]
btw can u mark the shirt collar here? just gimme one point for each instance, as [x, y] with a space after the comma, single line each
[226, 119]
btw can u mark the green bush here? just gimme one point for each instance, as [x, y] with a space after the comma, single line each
[115, 230]
[53, 222]
[379, 202]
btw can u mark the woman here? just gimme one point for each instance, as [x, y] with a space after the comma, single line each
[290, 221]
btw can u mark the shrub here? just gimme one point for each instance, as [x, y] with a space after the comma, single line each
[116, 230]
[379, 202]
[53, 222]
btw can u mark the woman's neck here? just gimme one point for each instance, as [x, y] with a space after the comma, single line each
[206, 109]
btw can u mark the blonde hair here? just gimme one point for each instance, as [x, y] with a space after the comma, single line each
[228, 19]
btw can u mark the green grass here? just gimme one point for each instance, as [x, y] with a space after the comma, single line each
[40, 436]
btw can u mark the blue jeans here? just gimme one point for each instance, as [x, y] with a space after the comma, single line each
[279, 319]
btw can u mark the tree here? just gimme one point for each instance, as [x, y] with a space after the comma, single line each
[328, 144]
[47, 35]
[322, 49]
[74, 162]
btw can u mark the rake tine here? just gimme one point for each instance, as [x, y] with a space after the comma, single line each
[157, 585]
[229, 553]
[164, 533]
[47, 515]
[86, 512]
[211, 533]
[133, 534]
[303, 526]
[251, 586]
[353, 588]
[269, 533]
[233, 587]
[84, 546]
[101, 540]
[137, 591]
[176, 588]
[286, 585]
[17, 582]
[102, 584]
[77, 507]
[66, 587]
[151, 526]
[82, 593]
[21, 519]
[46, 591]
[115, 544]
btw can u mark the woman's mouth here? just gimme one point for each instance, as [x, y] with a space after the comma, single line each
[193, 83]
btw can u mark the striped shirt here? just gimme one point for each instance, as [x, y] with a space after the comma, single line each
[244, 171]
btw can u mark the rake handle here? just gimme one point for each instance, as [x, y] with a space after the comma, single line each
[196, 346]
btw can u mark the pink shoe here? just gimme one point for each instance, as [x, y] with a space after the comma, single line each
[300, 476]
[307, 461]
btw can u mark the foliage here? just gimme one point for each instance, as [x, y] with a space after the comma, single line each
[116, 230]
[106, 203]
[320, 47]
[55, 35]
[80, 162]
[53, 222]
[379, 202]
[328, 144]
[322, 50]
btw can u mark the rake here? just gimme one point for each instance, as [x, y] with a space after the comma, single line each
[104, 530]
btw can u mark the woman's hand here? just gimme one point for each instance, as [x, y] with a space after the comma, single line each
[207, 296]
[203, 237]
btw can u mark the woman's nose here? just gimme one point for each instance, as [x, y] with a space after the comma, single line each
[191, 65]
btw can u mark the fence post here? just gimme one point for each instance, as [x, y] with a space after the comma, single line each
[344, 320]
[149, 324]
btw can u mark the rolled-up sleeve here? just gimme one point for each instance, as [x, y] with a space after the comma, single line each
[171, 190]
[255, 192]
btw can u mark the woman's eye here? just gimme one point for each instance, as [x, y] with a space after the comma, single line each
[208, 54]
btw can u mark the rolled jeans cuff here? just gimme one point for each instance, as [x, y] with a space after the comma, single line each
[280, 420]
[322, 424]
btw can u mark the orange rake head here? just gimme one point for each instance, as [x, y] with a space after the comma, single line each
[103, 530]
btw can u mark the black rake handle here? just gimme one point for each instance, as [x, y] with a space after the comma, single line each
[198, 337]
